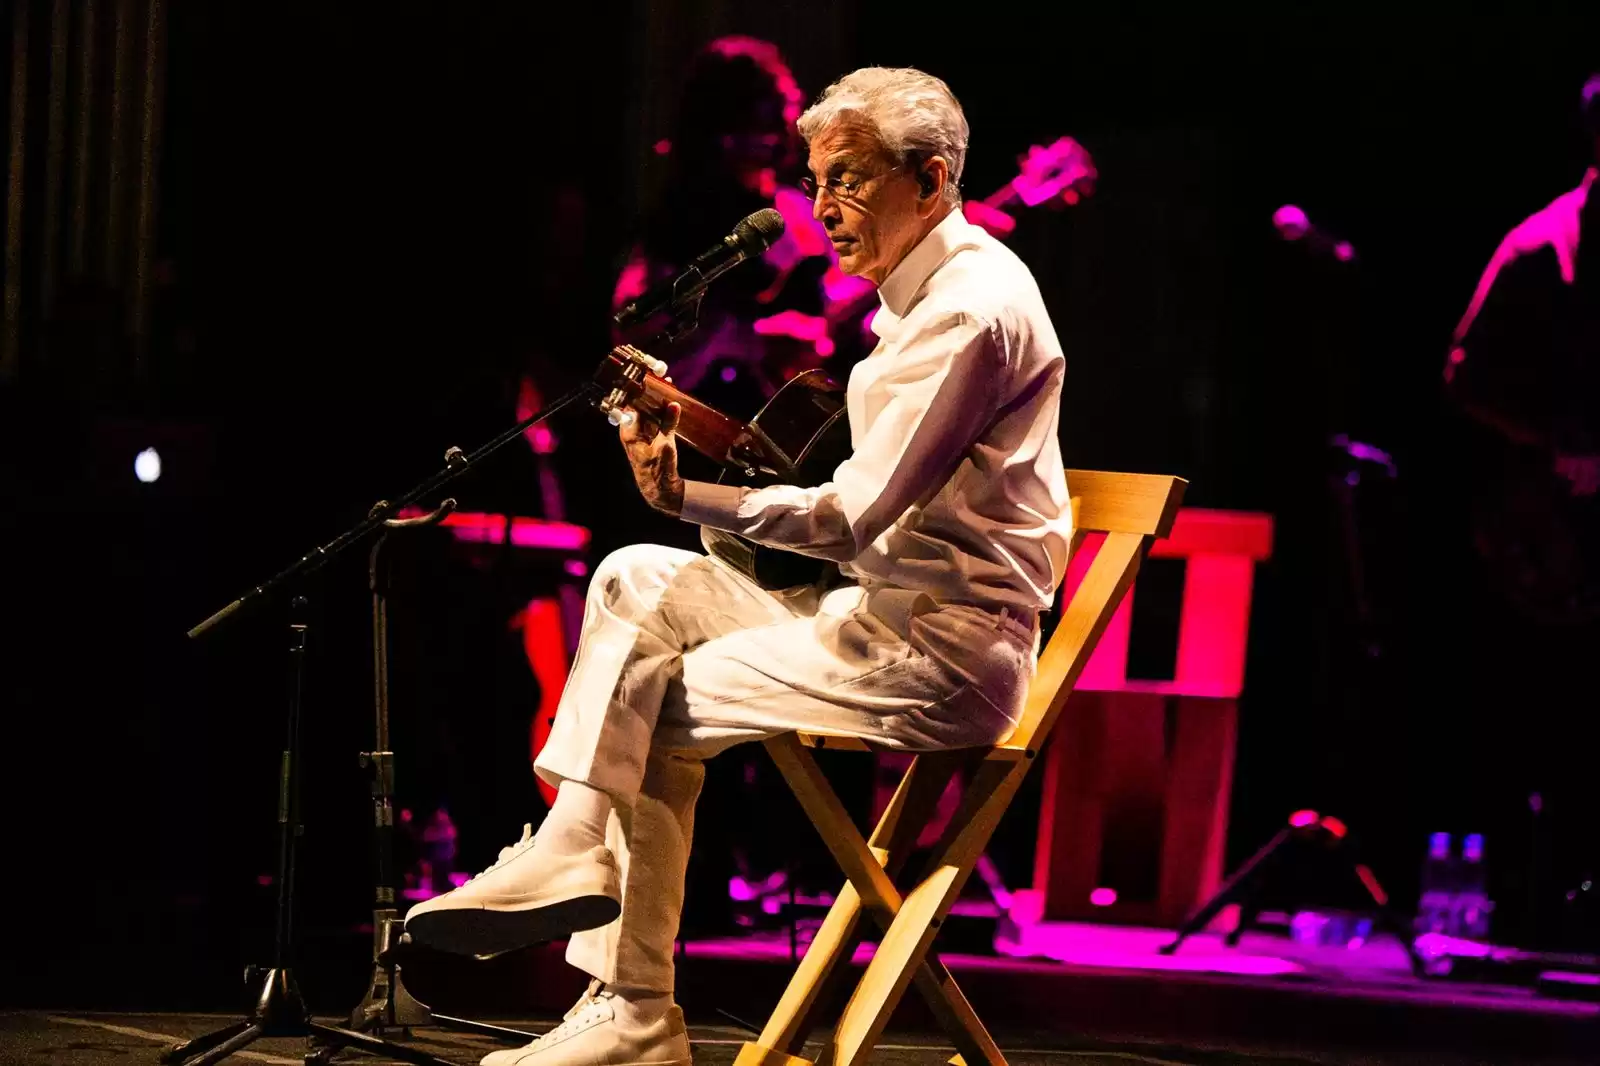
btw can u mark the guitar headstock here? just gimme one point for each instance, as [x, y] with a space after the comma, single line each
[1064, 171]
[623, 378]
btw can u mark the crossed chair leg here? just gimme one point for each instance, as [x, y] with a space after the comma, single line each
[909, 922]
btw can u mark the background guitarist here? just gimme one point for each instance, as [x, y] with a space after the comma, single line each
[1525, 370]
[950, 520]
[1525, 361]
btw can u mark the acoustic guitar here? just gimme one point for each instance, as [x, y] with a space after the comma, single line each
[799, 438]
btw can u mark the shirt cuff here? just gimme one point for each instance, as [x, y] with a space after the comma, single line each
[708, 504]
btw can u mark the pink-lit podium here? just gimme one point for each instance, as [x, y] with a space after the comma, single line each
[1138, 773]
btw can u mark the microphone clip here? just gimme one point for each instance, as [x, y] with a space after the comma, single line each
[684, 318]
[668, 325]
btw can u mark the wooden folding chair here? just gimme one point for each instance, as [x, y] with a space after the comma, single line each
[1132, 510]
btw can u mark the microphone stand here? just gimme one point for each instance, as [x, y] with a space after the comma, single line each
[388, 1004]
[279, 1009]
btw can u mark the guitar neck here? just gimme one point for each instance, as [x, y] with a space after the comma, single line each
[701, 426]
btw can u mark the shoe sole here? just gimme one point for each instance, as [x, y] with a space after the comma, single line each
[641, 1062]
[483, 932]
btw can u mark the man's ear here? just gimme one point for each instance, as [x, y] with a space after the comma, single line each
[931, 179]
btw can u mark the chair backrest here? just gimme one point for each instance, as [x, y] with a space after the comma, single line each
[1132, 510]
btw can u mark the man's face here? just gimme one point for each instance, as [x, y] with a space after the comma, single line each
[868, 205]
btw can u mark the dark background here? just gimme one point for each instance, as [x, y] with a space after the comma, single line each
[373, 218]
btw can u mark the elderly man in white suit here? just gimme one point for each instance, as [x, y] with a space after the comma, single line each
[950, 525]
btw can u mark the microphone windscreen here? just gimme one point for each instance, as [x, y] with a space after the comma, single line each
[759, 230]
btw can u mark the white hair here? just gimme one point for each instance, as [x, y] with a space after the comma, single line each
[915, 115]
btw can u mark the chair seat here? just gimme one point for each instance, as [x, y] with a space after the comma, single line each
[843, 742]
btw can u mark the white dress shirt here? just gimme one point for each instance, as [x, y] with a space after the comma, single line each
[955, 489]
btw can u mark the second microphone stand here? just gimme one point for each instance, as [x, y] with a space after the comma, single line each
[278, 1009]
[388, 1004]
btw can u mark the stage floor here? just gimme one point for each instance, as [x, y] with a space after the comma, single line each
[68, 1038]
[1104, 996]
[1108, 990]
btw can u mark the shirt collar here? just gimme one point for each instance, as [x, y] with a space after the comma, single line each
[900, 288]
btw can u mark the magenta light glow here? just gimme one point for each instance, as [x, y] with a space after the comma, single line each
[1565, 977]
[1131, 948]
[1103, 897]
[481, 528]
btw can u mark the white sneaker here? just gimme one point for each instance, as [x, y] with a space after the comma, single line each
[532, 894]
[592, 1035]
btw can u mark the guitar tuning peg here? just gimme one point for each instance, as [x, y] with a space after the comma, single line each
[620, 417]
[658, 367]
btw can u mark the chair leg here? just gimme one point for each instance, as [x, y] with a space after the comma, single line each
[854, 856]
[892, 842]
[819, 972]
[935, 983]
[815, 980]
[904, 949]
[974, 1045]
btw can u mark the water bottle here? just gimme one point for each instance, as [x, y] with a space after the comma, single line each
[1436, 902]
[1454, 901]
[1472, 903]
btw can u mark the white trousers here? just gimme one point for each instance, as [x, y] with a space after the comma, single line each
[681, 657]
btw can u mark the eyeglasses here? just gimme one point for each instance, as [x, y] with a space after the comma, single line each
[838, 188]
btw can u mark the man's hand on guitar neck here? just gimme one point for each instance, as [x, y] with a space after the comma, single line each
[653, 453]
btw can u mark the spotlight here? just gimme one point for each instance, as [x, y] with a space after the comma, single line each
[147, 465]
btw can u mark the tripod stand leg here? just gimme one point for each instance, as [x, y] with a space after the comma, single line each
[1249, 915]
[498, 1032]
[332, 1036]
[242, 1036]
[1388, 920]
[178, 1052]
[1240, 883]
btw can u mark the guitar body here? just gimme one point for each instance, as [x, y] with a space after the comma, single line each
[805, 426]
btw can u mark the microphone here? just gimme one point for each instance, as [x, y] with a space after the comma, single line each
[1293, 225]
[754, 234]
